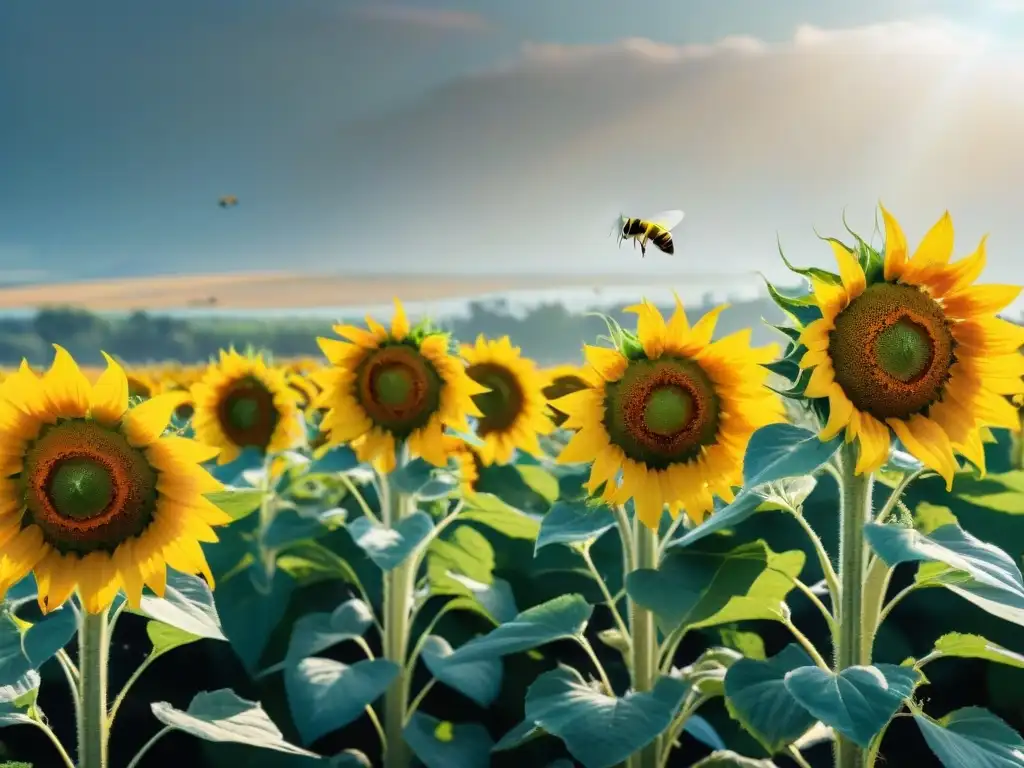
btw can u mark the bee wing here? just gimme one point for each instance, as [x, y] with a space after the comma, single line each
[667, 219]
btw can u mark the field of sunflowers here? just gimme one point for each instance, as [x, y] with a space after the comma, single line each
[416, 550]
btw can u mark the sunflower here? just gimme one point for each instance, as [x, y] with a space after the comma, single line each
[917, 351]
[667, 416]
[388, 387]
[241, 403]
[467, 459]
[514, 408]
[561, 381]
[92, 495]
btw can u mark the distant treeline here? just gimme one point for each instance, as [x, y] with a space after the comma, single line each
[548, 333]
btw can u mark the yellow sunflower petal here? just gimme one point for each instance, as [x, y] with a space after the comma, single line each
[109, 399]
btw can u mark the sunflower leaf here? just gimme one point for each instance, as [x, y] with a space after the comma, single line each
[562, 618]
[963, 646]
[49, 635]
[442, 744]
[775, 452]
[858, 701]
[489, 510]
[325, 695]
[540, 480]
[521, 734]
[411, 477]
[16, 672]
[756, 696]
[225, 717]
[316, 632]
[820, 274]
[600, 730]
[335, 460]
[705, 586]
[972, 737]
[478, 680]
[188, 604]
[166, 638]
[985, 564]
[573, 522]
[250, 609]
[388, 548]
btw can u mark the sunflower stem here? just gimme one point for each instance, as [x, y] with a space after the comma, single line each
[644, 635]
[93, 648]
[398, 595]
[850, 650]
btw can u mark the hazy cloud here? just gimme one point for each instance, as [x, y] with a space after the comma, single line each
[434, 18]
[530, 163]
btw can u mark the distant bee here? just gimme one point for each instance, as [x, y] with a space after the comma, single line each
[656, 230]
[228, 201]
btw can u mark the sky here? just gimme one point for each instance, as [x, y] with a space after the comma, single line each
[494, 136]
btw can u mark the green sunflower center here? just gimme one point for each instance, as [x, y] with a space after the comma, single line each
[668, 410]
[892, 351]
[80, 489]
[662, 412]
[398, 388]
[503, 404]
[393, 385]
[904, 350]
[86, 487]
[248, 414]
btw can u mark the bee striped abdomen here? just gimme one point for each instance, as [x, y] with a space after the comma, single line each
[662, 239]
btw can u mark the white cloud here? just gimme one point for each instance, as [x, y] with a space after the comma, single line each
[434, 18]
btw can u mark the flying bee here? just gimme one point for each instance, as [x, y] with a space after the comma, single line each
[656, 230]
[228, 201]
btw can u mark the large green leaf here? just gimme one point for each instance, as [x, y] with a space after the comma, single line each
[701, 586]
[857, 702]
[15, 668]
[707, 674]
[963, 646]
[388, 548]
[478, 680]
[540, 480]
[774, 452]
[1002, 493]
[599, 730]
[188, 604]
[316, 632]
[441, 744]
[249, 613]
[999, 602]
[562, 618]
[325, 695]
[10, 714]
[166, 638]
[757, 697]
[223, 716]
[50, 634]
[984, 563]
[972, 737]
[489, 510]
[572, 522]
[289, 526]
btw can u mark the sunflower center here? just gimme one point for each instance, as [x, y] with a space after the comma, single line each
[662, 412]
[248, 414]
[904, 350]
[503, 404]
[80, 489]
[398, 388]
[393, 385]
[892, 351]
[668, 410]
[86, 487]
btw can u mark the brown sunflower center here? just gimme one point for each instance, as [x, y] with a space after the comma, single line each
[86, 488]
[892, 351]
[662, 412]
[398, 388]
[503, 404]
[247, 413]
[560, 387]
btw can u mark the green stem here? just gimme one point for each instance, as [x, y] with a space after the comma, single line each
[827, 570]
[93, 646]
[855, 512]
[876, 584]
[896, 495]
[806, 644]
[670, 739]
[149, 745]
[398, 594]
[119, 699]
[64, 756]
[644, 635]
[608, 598]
